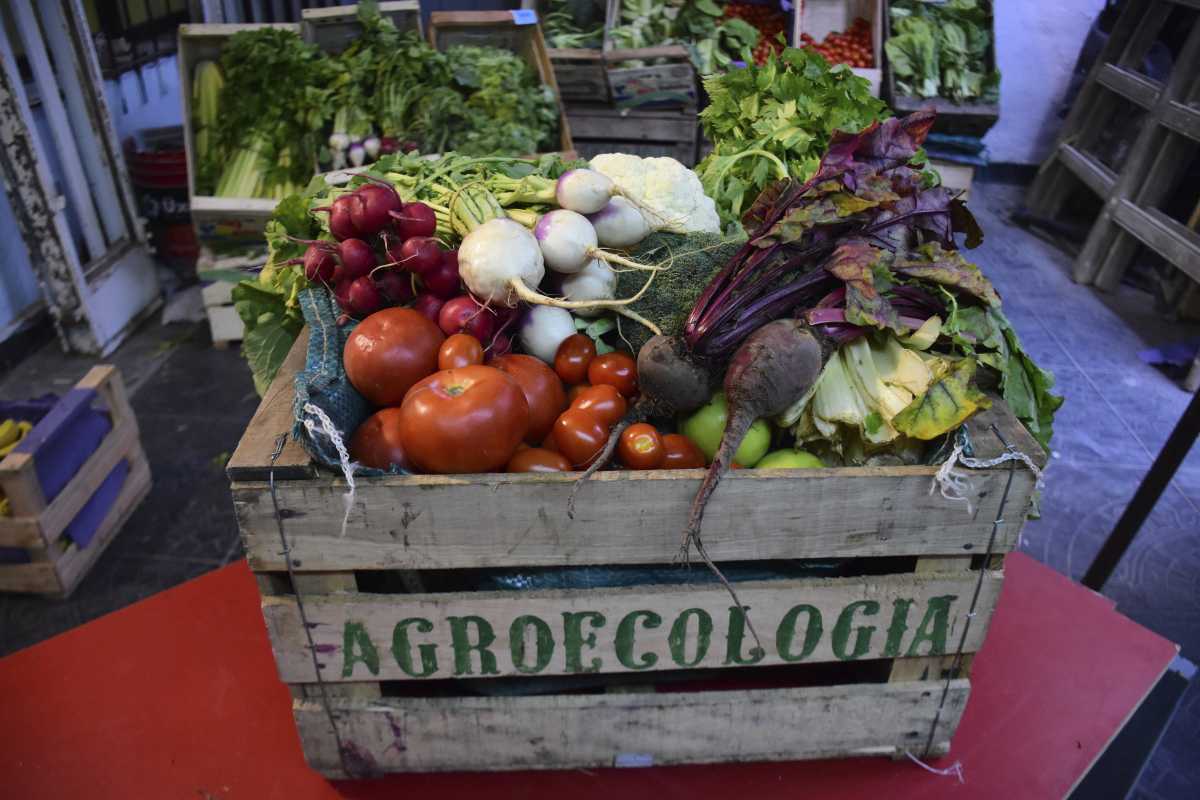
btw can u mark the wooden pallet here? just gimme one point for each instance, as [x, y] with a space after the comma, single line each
[56, 564]
[421, 672]
[600, 128]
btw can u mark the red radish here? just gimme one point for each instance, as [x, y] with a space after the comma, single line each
[341, 293]
[341, 224]
[420, 255]
[443, 280]
[357, 258]
[414, 219]
[371, 213]
[501, 345]
[395, 285]
[319, 264]
[464, 314]
[364, 297]
[430, 305]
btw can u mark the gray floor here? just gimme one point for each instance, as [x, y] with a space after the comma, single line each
[193, 402]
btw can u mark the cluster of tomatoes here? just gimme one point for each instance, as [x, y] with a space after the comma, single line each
[852, 48]
[443, 409]
[770, 22]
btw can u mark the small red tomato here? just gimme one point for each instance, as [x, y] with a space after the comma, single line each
[376, 442]
[537, 459]
[573, 392]
[543, 391]
[614, 369]
[580, 436]
[604, 401]
[680, 452]
[573, 357]
[641, 447]
[460, 350]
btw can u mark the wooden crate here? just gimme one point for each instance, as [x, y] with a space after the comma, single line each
[818, 18]
[422, 674]
[219, 275]
[507, 30]
[960, 119]
[599, 128]
[56, 565]
[957, 177]
[579, 72]
[336, 28]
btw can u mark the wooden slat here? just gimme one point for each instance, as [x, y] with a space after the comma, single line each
[19, 482]
[1133, 86]
[75, 564]
[930, 667]
[36, 578]
[856, 618]
[1164, 235]
[1098, 177]
[116, 445]
[1182, 119]
[252, 458]
[559, 732]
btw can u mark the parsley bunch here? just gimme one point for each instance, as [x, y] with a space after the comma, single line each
[775, 121]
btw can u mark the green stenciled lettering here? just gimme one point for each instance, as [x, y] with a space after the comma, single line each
[460, 640]
[543, 644]
[862, 637]
[934, 626]
[733, 640]
[786, 633]
[897, 628]
[625, 633]
[574, 640]
[677, 639]
[402, 648]
[355, 638]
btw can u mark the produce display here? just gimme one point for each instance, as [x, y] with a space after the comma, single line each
[774, 121]
[12, 431]
[276, 110]
[941, 50]
[572, 24]
[714, 39]
[770, 22]
[852, 48]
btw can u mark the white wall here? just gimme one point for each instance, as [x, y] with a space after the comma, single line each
[1037, 42]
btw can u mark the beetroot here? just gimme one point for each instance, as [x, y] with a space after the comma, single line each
[430, 305]
[371, 213]
[414, 219]
[319, 263]
[395, 285]
[420, 254]
[464, 314]
[364, 297]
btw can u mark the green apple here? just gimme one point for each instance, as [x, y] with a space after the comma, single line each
[707, 425]
[789, 459]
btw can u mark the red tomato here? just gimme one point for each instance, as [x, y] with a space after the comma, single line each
[376, 442]
[543, 391]
[573, 356]
[390, 351]
[537, 459]
[680, 452]
[604, 401]
[580, 436]
[615, 369]
[573, 393]
[460, 350]
[641, 447]
[463, 420]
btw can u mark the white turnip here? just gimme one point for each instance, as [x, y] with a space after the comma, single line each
[596, 281]
[543, 329]
[584, 190]
[619, 224]
[568, 242]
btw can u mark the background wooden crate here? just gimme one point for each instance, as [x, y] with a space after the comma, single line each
[579, 72]
[336, 28]
[501, 29]
[56, 564]
[600, 129]
[818, 18]
[610, 675]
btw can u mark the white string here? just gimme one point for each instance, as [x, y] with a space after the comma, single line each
[957, 486]
[955, 769]
[335, 438]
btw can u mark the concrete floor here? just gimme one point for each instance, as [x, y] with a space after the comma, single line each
[193, 403]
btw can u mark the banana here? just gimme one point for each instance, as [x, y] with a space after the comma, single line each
[11, 434]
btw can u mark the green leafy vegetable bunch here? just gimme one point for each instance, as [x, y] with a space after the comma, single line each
[941, 50]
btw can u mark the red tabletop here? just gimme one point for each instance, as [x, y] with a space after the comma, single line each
[177, 697]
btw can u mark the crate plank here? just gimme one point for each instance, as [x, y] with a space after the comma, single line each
[626, 629]
[36, 578]
[433, 521]
[559, 732]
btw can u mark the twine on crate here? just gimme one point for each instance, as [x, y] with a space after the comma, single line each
[330, 432]
[955, 769]
[957, 486]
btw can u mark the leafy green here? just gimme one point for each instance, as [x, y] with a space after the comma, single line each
[713, 42]
[775, 121]
[941, 50]
[573, 24]
[271, 314]
[943, 406]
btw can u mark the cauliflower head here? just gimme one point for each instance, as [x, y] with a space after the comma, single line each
[667, 193]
